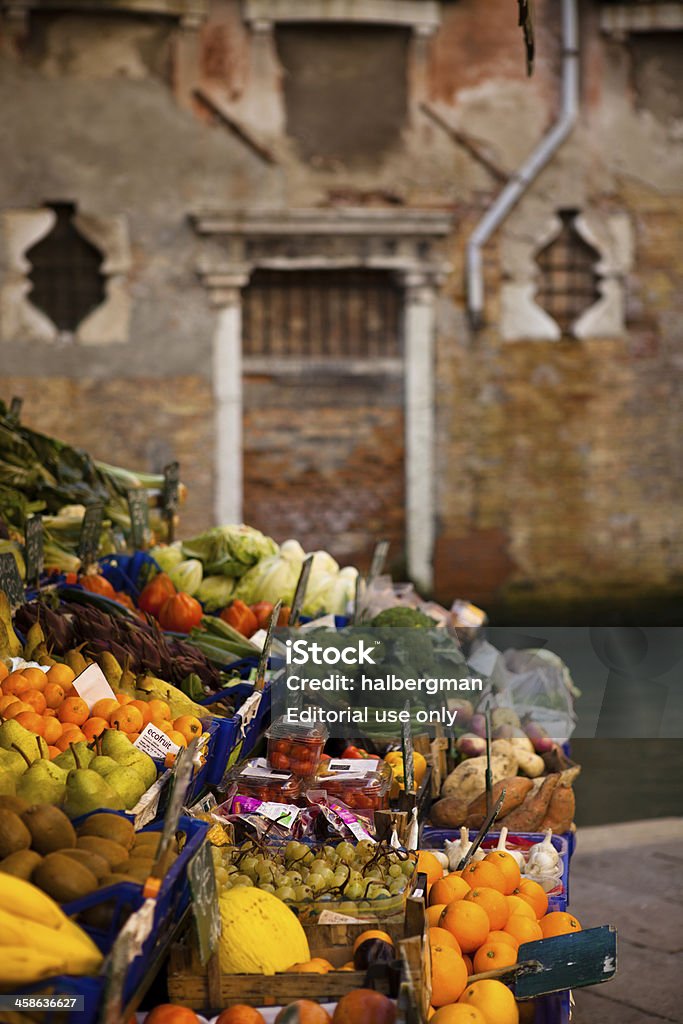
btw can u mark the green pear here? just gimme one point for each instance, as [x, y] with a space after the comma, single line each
[128, 784]
[14, 736]
[43, 783]
[142, 763]
[8, 782]
[103, 765]
[115, 744]
[76, 755]
[86, 791]
[13, 761]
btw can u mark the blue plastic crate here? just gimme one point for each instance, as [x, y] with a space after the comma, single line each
[436, 837]
[553, 1009]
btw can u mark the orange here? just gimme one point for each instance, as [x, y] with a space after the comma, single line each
[123, 698]
[442, 937]
[429, 866]
[133, 736]
[493, 955]
[17, 707]
[449, 975]
[493, 902]
[52, 730]
[158, 709]
[484, 874]
[54, 695]
[68, 737]
[452, 887]
[468, 964]
[519, 906]
[458, 1013]
[189, 726]
[494, 999]
[31, 721]
[4, 671]
[468, 922]
[535, 894]
[499, 936]
[62, 675]
[104, 708]
[16, 683]
[36, 677]
[559, 922]
[314, 966]
[371, 933]
[143, 708]
[168, 1013]
[36, 699]
[127, 719]
[240, 1015]
[434, 913]
[94, 727]
[177, 738]
[73, 710]
[53, 752]
[508, 867]
[524, 929]
[6, 700]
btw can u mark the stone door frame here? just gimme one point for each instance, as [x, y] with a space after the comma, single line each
[406, 243]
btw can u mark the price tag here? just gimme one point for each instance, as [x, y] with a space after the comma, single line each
[265, 652]
[89, 542]
[354, 766]
[379, 557]
[300, 592]
[156, 743]
[138, 507]
[170, 497]
[10, 580]
[407, 747]
[92, 686]
[14, 411]
[205, 901]
[33, 541]
[122, 953]
[180, 780]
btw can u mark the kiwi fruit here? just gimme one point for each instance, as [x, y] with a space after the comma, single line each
[100, 916]
[92, 861]
[109, 826]
[139, 868]
[50, 828]
[14, 803]
[115, 877]
[63, 878]
[115, 854]
[21, 864]
[14, 835]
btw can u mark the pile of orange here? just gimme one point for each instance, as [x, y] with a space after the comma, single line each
[47, 704]
[478, 919]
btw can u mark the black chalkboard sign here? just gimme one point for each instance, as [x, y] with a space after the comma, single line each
[138, 507]
[408, 759]
[10, 580]
[91, 528]
[170, 498]
[14, 412]
[33, 537]
[205, 901]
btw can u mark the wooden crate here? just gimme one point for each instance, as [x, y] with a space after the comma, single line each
[206, 988]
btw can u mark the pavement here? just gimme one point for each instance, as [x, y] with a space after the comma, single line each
[631, 875]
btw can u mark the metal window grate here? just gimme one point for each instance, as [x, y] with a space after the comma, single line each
[322, 314]
[66, 272]
[568, 281]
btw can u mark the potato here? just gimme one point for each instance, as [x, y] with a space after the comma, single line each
[449, 812]
[468, 780]
[530, 765]
[504, 716]
[516, 791]
[522, 743]
[470, 745]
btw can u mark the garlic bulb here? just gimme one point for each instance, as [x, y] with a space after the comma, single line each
[547, 880]
[455, 851]
[516, 855]
[544, 855]
[442, 859]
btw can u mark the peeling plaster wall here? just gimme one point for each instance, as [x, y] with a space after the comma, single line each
[558, 463]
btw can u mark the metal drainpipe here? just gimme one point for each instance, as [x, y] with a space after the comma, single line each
[521, 180]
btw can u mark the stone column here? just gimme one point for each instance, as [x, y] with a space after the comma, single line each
[263, 104]
[226, 297]
[418, 342]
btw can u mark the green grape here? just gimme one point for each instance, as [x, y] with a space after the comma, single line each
[267, 887]
[345, 852]
[395, 871]
[241, 880]
[341, 875]
[317, 882]
[318, 865]
[293, 878]
[248, 865]
[397, 885]
[348, 908]
[294, 850]
[408, 866]
[330, 854]
[286, 892]
[303, 892]
[221, 876]
[354, 891]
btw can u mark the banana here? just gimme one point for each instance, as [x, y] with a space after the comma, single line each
[77, 953]
[23, 900]
[21, 966]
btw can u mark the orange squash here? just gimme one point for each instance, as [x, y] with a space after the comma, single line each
[97, 584]
[155, 594]
[180, 613]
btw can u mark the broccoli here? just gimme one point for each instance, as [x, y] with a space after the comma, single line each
[406, 618]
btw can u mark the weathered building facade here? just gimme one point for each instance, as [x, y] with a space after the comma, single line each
[236, 233]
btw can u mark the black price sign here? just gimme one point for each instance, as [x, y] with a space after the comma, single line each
[10, 580]
[407, 747]
[170, 497]
[33, 536]
[205, 901]
[89, 542]
[138, 507]
[15, 406]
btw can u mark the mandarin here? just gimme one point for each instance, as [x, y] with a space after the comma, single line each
[158, 710]
[493, 955]
[17, 707]
[168, 1013]
[73, 710]
[69, 737]
[177, 738]
[494, 999]
[54, 695]
[535, 894]
[127, 719]
[449, 975]
[452, 887]
[52, 729]
[483, 874]
[468, 922]
[31, 721]
[559, 922]
[36, 677]
[61, 674]
[104, 707]
[123, 698]
[4, 671]
[468, 964]
[189, 726]
[241, 1015]
[94, 727]
[524, 929]
[6, 700]
[53, 752]
[442, 937]
[16, 683]
[36, 699]
[493, 902]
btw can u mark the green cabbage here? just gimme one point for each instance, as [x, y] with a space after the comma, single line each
[167, 556]
[187, 576]
[275, 578]
[230, 550]
[330, 592]
[215, 592]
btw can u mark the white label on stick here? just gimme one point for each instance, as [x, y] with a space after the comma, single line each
[92, 686]
[349, 766]
[153, 741]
